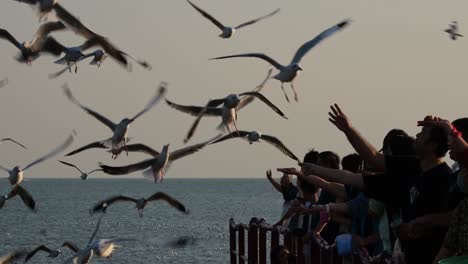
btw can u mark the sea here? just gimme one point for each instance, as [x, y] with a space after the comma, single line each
[64, 215]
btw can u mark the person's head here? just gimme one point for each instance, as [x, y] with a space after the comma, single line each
[390, 134]
[311, 157]
[400, 145]
[307, 189]
[352, 163]
[329, 159]
[286, 180]
[461, 125]
[279, 255]
[431, 141]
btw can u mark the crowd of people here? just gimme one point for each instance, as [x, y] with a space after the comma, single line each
[403, 201]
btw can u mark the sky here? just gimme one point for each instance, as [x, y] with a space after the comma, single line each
[392, 66]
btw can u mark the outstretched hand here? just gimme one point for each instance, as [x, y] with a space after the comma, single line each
[268, 174]
[436, 121]
[338, 118]
[291, 171]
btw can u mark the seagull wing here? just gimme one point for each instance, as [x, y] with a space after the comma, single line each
[180, 153]
[195, 110]
[54, 152]
[241, 134]
[108, 47]
[97, 144]
[161, 92]
[207, 16]
[266, 101]
[253, 21]
[4, 169]
[72, 246]
[52, 46]
[102, 205]
[310, 44]
[72, 22]
[253, 55]
[29, 2]
[6, 35]
[94, 171]
[279, 145]
[44, 30]
[127, 169]
[96, 115]
[37, 249]
[96, 230]
[172, 201]
[71, 165]
[248, 99]
[193, 128]
[141, 148]
[16, 255]
[14, 141]
[27, 198]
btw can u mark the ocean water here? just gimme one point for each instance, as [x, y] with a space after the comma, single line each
[63, 215]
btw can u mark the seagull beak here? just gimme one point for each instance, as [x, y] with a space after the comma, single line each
[300, 68]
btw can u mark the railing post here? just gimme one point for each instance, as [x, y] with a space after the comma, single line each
[300, 251]
[275, 236]
[263, 241]
[232, 240]
[253, 241]
[287, 241]
[241, 253]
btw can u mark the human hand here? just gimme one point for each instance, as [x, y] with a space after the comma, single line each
[338, 118]
[436, 121]
[291, 171]
[268, 174]
[308, 168]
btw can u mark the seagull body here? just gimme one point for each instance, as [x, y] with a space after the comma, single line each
[120, 131]
[12, 140]
[84, 175]
[139, 203]
[14, 256]
[255, 136]
[228, 32]
[156, 166]
[287, 73]
[53, 253]
[29, 51]
[24, 195]
[453, 31]
[16, 174]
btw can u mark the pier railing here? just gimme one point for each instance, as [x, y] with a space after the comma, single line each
[249, 244]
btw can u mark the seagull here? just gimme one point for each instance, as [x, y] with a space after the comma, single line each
[96, 40]
[101, 247]
[3, 82]
[288, 73]
[16, 174]
[40, 43]
[14, 256]
[120, 130]
[24, 195]
[158, 164]
[228, 32]
[44, 6]
[83, 175]
[140, 203]
[453, 30]
[53, 253]
[14, 141]
[254, 136]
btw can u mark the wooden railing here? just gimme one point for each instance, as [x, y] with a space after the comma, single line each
[257, 232]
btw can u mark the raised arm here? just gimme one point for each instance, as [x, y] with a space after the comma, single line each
[272, 181]
[365, 149]
[337, 189]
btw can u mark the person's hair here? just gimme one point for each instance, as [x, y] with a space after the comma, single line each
[401, 145]
[276, 252]
[440, 137]
[461, 125]
[330, 159]
[311, 157]
[307, 187]
[351, 162]
[390, 134]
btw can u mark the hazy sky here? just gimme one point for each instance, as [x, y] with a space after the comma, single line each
[389, 68]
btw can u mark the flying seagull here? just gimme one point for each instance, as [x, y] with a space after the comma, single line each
[139, 203]
[120, 130]
[156, 166]
[14, 141]
[231, 104]
[228, 32]
[254, 136]
[24, 195]
[453, 31]
[3, 82]
[76, 26]
[84, 175]
[289, 72]
[12, 257]
[16, 174]
[40, 43]
[53, 253]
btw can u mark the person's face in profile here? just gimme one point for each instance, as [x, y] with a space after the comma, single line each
[422, 138]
